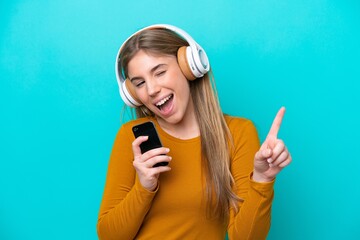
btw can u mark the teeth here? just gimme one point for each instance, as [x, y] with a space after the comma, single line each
[164, 100]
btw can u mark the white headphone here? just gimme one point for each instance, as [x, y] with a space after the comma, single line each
[192, 59]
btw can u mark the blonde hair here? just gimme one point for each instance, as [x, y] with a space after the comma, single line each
[214, 133]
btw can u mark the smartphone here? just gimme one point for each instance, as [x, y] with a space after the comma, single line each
[148, 129]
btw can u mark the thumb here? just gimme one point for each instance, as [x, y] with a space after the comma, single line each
[263, 153]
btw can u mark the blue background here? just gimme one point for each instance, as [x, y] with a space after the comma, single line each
[60, 107]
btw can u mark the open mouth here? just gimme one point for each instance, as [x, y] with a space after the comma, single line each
[163, 102]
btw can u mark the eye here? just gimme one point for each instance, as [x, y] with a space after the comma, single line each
[159, 74]
[138, 83]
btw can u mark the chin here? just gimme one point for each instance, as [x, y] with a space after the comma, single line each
[171, 119]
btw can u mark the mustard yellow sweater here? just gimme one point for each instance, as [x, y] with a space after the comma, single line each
[177, 209]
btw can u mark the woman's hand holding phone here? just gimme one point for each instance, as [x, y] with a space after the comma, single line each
[144, 163]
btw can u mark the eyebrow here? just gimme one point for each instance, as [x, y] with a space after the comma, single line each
[151, 71]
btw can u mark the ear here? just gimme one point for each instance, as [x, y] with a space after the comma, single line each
[184, 65]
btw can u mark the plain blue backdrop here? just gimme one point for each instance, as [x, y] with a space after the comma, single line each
[60, 107]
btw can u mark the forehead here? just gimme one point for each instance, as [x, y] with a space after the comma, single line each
[144, 61]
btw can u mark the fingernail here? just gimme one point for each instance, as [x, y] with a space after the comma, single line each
[269, 160]
[167, 149]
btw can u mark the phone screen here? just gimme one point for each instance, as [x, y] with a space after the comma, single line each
[148, 129]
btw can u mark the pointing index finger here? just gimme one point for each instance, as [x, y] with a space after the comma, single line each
[276, 123]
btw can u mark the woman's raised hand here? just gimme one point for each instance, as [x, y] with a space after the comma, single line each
[273, 155]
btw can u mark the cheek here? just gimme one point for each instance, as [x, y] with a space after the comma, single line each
[184, 93]
[181, 82]
[141, 94]
[185, 86]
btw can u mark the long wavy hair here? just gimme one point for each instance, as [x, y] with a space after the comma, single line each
[215, 136]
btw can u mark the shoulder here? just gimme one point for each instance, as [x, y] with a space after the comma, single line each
[236, 124]
[242, 130]
[244, 136]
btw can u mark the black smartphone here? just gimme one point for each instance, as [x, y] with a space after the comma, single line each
[148, 129]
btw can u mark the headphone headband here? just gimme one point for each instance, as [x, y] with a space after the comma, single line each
[199, 63]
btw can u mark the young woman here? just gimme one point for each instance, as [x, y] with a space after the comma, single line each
[218, 179]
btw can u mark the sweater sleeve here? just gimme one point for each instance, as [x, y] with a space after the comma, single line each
[125, 202]
[252, 220]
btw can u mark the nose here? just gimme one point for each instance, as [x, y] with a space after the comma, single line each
[153, 87]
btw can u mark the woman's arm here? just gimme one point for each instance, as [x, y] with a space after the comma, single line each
[252, 220]
[125, 202]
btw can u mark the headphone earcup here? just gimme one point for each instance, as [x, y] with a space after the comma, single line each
[128, 94]
[184, 64]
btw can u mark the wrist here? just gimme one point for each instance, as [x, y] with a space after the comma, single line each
[151, 188]
[258, 177]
